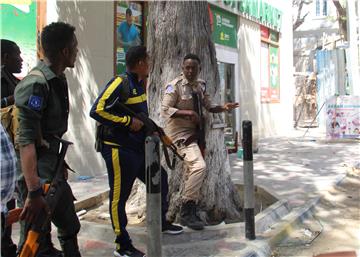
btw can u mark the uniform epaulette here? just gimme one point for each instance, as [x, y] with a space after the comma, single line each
[176, 80]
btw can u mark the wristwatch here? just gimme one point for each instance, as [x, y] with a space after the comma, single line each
[35, 193]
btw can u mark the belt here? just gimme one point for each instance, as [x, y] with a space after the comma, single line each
[180, 142]
[186, 142]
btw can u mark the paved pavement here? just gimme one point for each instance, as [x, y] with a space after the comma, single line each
[296, 169]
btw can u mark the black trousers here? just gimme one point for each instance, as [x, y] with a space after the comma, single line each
[124, 166]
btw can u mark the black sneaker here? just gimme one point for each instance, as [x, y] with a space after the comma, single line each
[168, 228]
[129, 251]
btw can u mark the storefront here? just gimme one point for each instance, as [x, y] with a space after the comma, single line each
[260, 60]
[253, 42]
[224, 27]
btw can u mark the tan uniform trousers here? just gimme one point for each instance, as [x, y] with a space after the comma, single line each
[194, 171]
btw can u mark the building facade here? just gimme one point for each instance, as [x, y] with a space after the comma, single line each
[253, 41]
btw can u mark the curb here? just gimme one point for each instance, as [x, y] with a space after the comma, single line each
[282, 229]
[91, 201]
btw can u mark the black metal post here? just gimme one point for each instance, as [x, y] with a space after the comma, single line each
[153, 196]
[249, 193]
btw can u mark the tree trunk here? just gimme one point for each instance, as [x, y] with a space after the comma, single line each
[175, 29]
[341, 12]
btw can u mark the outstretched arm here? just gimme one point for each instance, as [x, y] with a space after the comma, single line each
[223, 108]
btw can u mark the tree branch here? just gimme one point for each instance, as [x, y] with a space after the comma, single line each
[341, 10]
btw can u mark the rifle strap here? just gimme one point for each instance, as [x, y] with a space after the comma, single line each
[172, 164]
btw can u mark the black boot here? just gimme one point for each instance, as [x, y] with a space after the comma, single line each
[47, 249]
[188, 216]
[70, 247]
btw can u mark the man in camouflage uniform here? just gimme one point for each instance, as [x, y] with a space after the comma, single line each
[43, 103]
[181, 122]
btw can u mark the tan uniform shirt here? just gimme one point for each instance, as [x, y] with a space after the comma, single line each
[178, 96]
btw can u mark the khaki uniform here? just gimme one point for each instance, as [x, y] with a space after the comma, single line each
[178, 96]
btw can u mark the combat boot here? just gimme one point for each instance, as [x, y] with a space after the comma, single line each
[47, 248]
[70, 247]
[188, 216]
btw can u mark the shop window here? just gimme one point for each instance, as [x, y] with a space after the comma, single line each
[270, 69]
[227, 85]
[321, 8]
[129, 30]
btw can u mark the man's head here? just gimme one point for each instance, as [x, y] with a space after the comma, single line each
[128, 16]
[10, 56]
[59, 43]
[191, 67]
[137, 61]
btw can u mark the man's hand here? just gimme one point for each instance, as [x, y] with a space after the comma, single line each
[33, 207]
[230, 106]
[136, 124]
[194, 117]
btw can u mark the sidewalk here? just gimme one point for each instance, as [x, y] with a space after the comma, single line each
[297, 170]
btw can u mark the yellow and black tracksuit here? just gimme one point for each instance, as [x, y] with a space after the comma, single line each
[123, 150]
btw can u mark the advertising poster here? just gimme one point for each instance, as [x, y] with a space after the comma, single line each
[264, 76]
[18, 24]
[274, 74]
[223, 27]
[128, 30]
[343, 117]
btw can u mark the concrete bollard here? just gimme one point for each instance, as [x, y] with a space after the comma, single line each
[249, 193]
[153, 196]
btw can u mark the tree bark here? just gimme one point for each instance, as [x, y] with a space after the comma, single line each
[341, 12]
[175, 29]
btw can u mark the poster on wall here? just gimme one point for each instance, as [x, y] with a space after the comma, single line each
[129, 20]
[223, 27]
[274, 74]
[343, 117]
[18, 24]
[264, 75]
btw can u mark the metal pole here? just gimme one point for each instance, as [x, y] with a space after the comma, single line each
[249, 197]
[153, 196]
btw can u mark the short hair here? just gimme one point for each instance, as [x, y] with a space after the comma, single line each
[192, 57]
[55, 37]
[128, 11]
[134, 55]
[7, 47]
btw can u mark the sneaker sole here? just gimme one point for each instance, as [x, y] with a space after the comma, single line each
[172, 232]
[116, 254]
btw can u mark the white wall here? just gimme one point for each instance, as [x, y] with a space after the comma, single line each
[268, 119]
[94, 22]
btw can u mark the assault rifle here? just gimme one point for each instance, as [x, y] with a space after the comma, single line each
[200, 129]
[150, 127]
[53, 192]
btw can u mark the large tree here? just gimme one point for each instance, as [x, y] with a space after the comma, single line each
[175, 29]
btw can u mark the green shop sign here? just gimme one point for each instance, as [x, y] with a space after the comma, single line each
[223, 27]
[260, 10]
